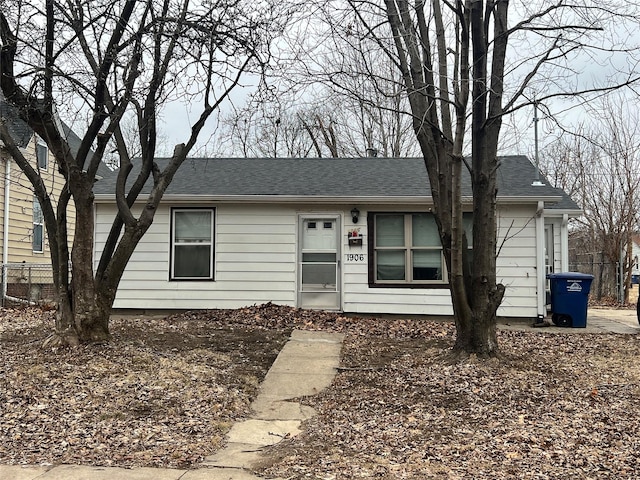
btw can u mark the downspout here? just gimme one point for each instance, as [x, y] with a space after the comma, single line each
[5, 226]
[564, 244]
[541, 279]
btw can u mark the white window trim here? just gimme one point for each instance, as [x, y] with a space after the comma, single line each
[33, 231]
[41, 143]
[211, 245]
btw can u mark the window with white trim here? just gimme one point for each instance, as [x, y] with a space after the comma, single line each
[42, 155]
[192, 246]
[407, 249]
[37, 236]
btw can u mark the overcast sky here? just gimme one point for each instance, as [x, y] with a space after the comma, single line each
[518, 129]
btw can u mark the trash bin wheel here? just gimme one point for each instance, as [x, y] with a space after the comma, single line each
[638, 310]
[561, 320]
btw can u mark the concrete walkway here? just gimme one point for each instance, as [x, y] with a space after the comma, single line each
[599, 320]
[305, 366]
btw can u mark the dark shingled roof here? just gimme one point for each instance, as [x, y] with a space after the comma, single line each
[18, 128]
[22, 133]
[331, 177]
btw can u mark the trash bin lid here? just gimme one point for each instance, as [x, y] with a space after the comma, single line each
[570, 276]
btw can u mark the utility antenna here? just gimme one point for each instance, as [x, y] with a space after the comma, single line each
[536, 182]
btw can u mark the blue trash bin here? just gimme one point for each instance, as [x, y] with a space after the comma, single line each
[569, 298]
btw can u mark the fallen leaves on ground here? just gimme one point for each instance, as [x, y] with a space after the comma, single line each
[554, 406]
[161, 393]
[165, 390]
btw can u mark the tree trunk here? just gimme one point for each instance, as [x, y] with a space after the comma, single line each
[90, 318]
[477, 334]
[82, 316]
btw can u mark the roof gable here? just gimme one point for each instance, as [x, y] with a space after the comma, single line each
[22, 133]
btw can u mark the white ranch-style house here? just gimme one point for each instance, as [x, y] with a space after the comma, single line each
[350, 234]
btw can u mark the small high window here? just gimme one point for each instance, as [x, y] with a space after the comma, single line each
[42, 155]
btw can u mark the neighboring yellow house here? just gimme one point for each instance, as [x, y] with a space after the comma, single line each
[26, 260]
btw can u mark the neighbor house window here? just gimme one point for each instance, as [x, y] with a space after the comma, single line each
[192, 244]
[406, 249]
[38, 227]
[42, 154]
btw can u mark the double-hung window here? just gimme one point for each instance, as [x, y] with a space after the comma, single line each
[37, 237]
[406, 249]
[192, 244]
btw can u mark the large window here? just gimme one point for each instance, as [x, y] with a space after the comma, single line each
[42, 154]
[37, 237]
[192, 244]
[406, 249]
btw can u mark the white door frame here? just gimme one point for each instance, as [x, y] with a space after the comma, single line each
[313, 298]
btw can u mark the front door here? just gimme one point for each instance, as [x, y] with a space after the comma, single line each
[319, 262]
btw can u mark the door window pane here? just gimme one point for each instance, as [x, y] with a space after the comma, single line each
[319, 276]
[319, 257]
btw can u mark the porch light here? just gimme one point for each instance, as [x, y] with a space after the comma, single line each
[355, 214]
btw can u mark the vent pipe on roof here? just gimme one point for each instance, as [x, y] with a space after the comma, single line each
[372, 152]
[536, 182]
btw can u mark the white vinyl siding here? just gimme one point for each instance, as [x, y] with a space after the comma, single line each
[255, 261]
[516, 269]
[256, 254]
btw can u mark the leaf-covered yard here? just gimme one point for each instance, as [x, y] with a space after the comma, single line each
[165, 391]
[555, 406]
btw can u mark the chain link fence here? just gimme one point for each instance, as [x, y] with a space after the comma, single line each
[606, 283]
[27, 283]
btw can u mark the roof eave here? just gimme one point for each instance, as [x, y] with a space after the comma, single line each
[327, 199]
[513, 199]
[559, 212]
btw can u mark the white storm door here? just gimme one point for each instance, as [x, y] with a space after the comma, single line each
[319, 263]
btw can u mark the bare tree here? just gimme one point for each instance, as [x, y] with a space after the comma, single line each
[266, 129]
[112, 58]
[346, 96]
[452, 57]
[598, 165]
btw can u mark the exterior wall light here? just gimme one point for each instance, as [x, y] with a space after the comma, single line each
[355, 214]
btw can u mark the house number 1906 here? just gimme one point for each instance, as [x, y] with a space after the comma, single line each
[355, 257]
